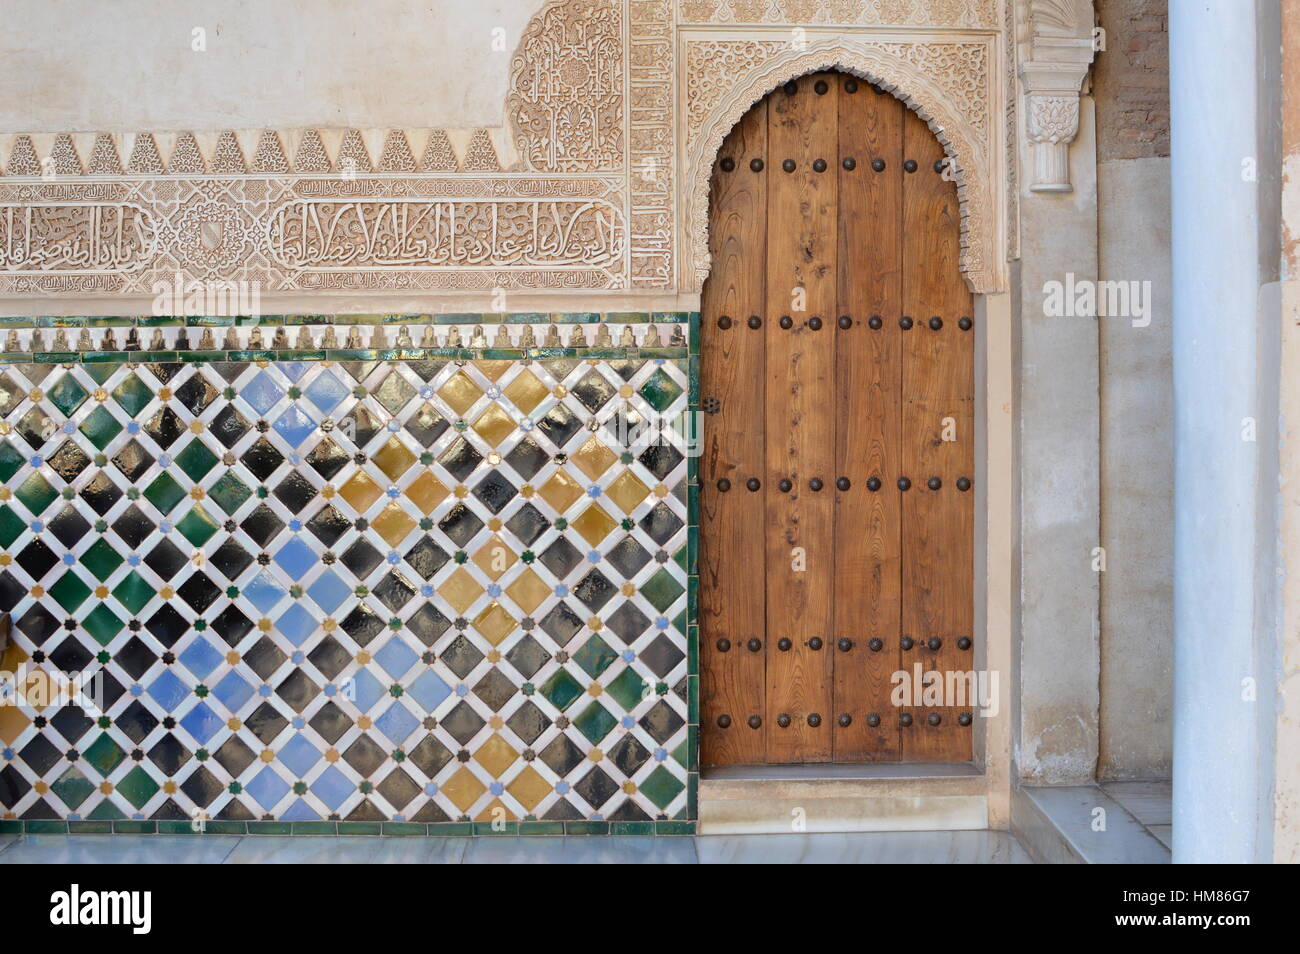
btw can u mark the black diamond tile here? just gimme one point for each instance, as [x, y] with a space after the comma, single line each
[101, 493]
[561, 557]
[629, 754]
[165, 371]
[361, 558]
[361, 425]
[427, 624]
[40, 755]
[264, 658]
[496, 689]
[196, 394]
[228, 426]
[362, 624]
[559, 424]
[426, 425]
[528, 722]
[394, 590]
[71, 722]
[266, 722]
[229, 371]
[495, 491]
[328, 525]
[136, 721]
[330, 722]
[627, 556]
[661, 523]
[365, 756]
[398, 789]
[135, 658]
[202, 787]
[33, 427]
[330, 657]
[561, 623]
[166, 559]
[234, 756]
[231, 558]
[11, 591]
[133, 460]
[133, 526]
[594, 590]
[462, 723]
[327, 458]
[426, 558]
[528, 656]
[68, 461]
[262, 459]
[661, 722]
[629, 811]
[167, 625]
[461, 656]
[596, 788]
[70, 656]
[627, 622]
[626, 427]
[295, 492]
[429, 756]
[69, 526]
[164, 427]
[232, 625]
[297, 690]
[262, 525]
[460, 524]
[527, 458]
[460, 458]
[169, 754]
[38, 624]
[36, 559]
[662, 656]
[661, 459]
[593, 391]
[528, 524]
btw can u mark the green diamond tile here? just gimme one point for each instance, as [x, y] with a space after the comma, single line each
[100, 427]
[660, 390]
[72, 787]
[595, 722]
[101, 559]
[662, 590]
[10, 460]
[197, 526]
[11, 525]
[134, 592]
[132, 394]
[36, 494]
[137, 787]
[102, 624]
[69, 591]
[628, 689]
[661, 786]
[196, 460]
[595, 656]
[164, 493]
[106, 811]
[67, 394]
[682, 754]
[229, 492]
[561, 689]
[101, 372]
[104, 754]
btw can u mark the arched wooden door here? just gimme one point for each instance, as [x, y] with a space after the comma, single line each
[837, 382]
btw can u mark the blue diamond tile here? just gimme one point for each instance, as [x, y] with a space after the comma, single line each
[293, 370]
[201, 722]
[329, 591]
[300, 811]
[262, 393]
[363, 690]
[428, 690]
[300, 755]
[168, 690]
[326, 392]
[397, 723]
[296, 624]
[294, 426]
[296, 558]
[263, 591]
[396, 658]
[267, 787]
[233, 691]
[201, 658]
[332, 787]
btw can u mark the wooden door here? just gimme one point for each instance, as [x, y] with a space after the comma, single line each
[837, 381]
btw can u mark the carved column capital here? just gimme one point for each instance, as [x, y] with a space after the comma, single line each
[1057, 42]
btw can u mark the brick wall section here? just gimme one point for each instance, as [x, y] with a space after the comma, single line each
[1131, 80]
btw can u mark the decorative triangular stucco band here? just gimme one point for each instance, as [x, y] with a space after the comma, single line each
[966, 147]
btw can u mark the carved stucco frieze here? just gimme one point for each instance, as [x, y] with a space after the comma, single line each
[946, 84]
[971, 14]
[1056, 42]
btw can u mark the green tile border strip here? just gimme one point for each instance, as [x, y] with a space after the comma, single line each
[457, 829]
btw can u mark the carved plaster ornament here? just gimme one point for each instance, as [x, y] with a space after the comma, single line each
[1057, 45]
[628, 338]
[255, 340]
[354, 337]
[428, 339]
[527, 339]
[159, 342]
[453, 337]
[61, 341]
[553, 337]
[329, 340]
[502, 339]
[207, 341]
[83, 341]
[304, 338]
[478, 339]
[404, 338]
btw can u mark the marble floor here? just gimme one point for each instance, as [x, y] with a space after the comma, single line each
[941, 847]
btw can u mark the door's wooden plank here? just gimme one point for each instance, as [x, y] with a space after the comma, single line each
[732, 547]
[937, 563]
[800, 418]
[868, 384]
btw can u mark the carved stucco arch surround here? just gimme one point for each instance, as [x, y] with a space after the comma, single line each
[922, 95]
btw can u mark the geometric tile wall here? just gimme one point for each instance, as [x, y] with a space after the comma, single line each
[421, 591]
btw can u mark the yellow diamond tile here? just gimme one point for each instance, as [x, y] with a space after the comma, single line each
[496, 755]
[495, 557]
[426, 492]
[528, 590]
[529, 788]
[360, 491]
[594, 524]
[627, 491]
[494, 425]
[492, 370]
[394, 458]
[460, 392]
[526, 392]
[460, 590]
[495, 623]
[495, 810]
[594, 458]
[393, 524]
[463, 788]
[560, 491]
